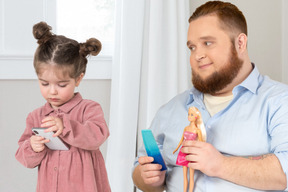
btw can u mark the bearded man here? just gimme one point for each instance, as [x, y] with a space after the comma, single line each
[244, 112]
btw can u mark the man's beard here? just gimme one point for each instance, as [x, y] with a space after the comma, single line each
[219, 79]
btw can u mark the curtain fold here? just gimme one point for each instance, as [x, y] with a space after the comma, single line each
[165, 69]
[150, 66]
[125, 84]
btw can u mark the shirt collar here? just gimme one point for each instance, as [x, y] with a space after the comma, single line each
[193, 92]
[251, 83]
[65, 107]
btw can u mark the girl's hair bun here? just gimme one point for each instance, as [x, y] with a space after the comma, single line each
[42, 32]
[91, 46]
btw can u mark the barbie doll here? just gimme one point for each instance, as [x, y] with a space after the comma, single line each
[194, 131]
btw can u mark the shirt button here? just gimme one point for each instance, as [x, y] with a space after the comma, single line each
[55, 168]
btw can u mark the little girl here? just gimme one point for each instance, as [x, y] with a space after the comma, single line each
[60, 64]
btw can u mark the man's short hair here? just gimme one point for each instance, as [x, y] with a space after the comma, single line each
[231, 19]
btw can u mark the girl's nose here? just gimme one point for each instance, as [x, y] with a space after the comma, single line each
[53, 90]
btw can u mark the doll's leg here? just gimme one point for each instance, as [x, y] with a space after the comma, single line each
[185, 178]
[191, 180]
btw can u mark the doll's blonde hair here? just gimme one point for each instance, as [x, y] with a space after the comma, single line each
[199, 122]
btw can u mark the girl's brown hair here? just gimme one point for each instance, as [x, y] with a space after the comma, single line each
[230, 17]
[62, 51]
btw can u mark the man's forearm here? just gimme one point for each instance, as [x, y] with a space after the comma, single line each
[139, 183]
[263, 173]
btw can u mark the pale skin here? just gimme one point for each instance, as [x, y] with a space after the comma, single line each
[192, 117]
[209, 44]
[263, 174]
[147, 176]
[57, 89]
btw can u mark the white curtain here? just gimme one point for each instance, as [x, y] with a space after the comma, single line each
[165, 64]
[150, 66]
[125, 86]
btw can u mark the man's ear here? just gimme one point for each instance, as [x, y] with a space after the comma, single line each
[241, 42]
[79, 79]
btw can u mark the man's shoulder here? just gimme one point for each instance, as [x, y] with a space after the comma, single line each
[181, 97]
[178, 100]
[173, 111]
[272, 86]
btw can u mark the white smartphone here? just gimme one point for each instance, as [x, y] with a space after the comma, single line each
[55, 143]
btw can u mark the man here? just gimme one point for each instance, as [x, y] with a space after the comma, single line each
[245, 115]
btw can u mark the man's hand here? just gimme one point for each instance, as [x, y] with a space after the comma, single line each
[151, 173]
[263, 174]
[147, 176]
[204, 157]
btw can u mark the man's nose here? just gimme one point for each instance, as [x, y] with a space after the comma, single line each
[200, 55]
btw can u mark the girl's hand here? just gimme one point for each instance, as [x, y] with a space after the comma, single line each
[38, 143]
[54, 124]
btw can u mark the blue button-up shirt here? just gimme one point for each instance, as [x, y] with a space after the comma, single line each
[254, 123]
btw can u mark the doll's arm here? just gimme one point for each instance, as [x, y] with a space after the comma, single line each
[180, 143]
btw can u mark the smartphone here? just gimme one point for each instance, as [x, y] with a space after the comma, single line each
[55, 143]
[152, 148]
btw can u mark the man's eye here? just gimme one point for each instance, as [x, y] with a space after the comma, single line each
[192, 48]
[208, 43]
[44, 84]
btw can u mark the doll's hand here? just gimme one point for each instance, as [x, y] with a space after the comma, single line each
[151, 173]
[54, 124]
[38, 143]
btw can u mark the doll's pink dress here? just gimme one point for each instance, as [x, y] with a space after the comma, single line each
[181, 156]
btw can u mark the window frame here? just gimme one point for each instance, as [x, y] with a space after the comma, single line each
[16, 65]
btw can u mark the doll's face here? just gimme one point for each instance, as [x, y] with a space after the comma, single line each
[192, 115]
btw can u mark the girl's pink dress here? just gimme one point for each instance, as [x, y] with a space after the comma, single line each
[181, 156]
[82, 168]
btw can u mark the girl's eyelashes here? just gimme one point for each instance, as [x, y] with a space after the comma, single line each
[62, 85]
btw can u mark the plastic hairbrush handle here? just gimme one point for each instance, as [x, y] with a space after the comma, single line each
[152, 148]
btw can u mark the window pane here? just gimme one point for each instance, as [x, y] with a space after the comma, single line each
[82, 20]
